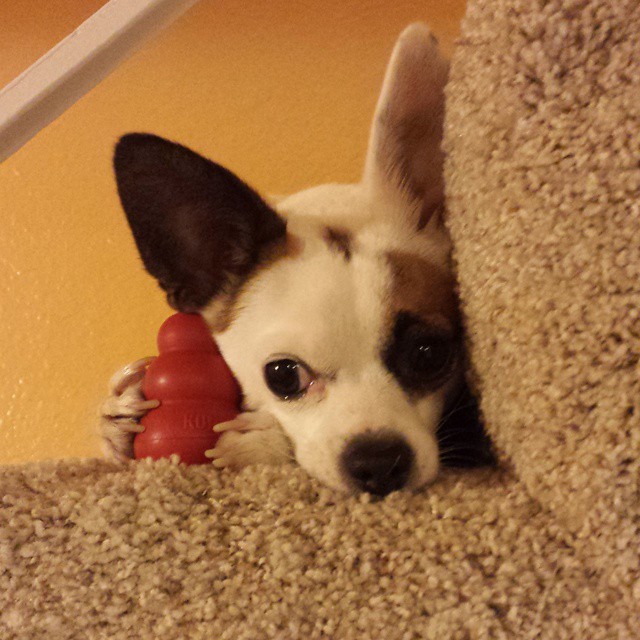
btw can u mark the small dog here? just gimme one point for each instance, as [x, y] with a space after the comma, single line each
[335, 308]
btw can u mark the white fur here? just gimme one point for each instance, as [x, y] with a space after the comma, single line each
[330, 313]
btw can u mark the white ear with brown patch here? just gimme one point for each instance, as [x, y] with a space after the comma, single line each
[404, 158]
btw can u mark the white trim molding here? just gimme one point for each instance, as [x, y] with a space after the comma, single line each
[77, 64]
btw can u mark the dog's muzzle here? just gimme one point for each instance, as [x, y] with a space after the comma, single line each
[377, 462]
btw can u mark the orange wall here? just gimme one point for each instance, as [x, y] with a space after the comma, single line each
[280, 92]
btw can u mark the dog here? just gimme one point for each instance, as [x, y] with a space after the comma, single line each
[335, 308]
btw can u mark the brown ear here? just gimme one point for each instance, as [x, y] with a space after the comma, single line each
[404, 155]
[199, 229]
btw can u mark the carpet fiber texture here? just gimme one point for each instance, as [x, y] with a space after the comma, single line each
[94, 550]
[543, 185]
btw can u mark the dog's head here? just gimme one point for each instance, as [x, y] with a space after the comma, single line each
[335, 307]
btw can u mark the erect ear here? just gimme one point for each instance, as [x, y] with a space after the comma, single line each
[404, 158]
[199, 229]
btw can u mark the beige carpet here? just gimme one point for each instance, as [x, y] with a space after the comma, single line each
[544, 195]
[91, 550]
[543, 181]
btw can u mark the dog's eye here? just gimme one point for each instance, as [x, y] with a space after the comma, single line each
[419, 356]
[427, 355]
[287, 378]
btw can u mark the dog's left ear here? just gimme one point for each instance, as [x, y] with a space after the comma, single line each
[199, 229]
[404, 158]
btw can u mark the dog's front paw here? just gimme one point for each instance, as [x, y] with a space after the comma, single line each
[251, 438]
[121, 412]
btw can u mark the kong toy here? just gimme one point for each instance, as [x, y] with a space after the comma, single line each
[195, 388]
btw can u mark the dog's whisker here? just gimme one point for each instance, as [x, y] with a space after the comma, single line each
[452, 450]
[454, 442]
[454, 410]
[449, 437]
[460, 428]
[465, 455]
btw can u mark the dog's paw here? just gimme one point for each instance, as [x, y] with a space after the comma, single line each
[249, 421]
[122, 410]
[251, 438]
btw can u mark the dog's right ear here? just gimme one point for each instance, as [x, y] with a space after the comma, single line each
[199, 229]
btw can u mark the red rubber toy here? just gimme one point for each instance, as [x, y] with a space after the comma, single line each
[196, 390]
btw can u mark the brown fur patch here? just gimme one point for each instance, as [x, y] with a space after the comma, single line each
[423, 289]
[338, 240]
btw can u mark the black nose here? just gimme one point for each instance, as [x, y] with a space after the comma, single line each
[377, 463]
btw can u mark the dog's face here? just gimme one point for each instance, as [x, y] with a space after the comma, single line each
[350, 339]
[335, 308]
